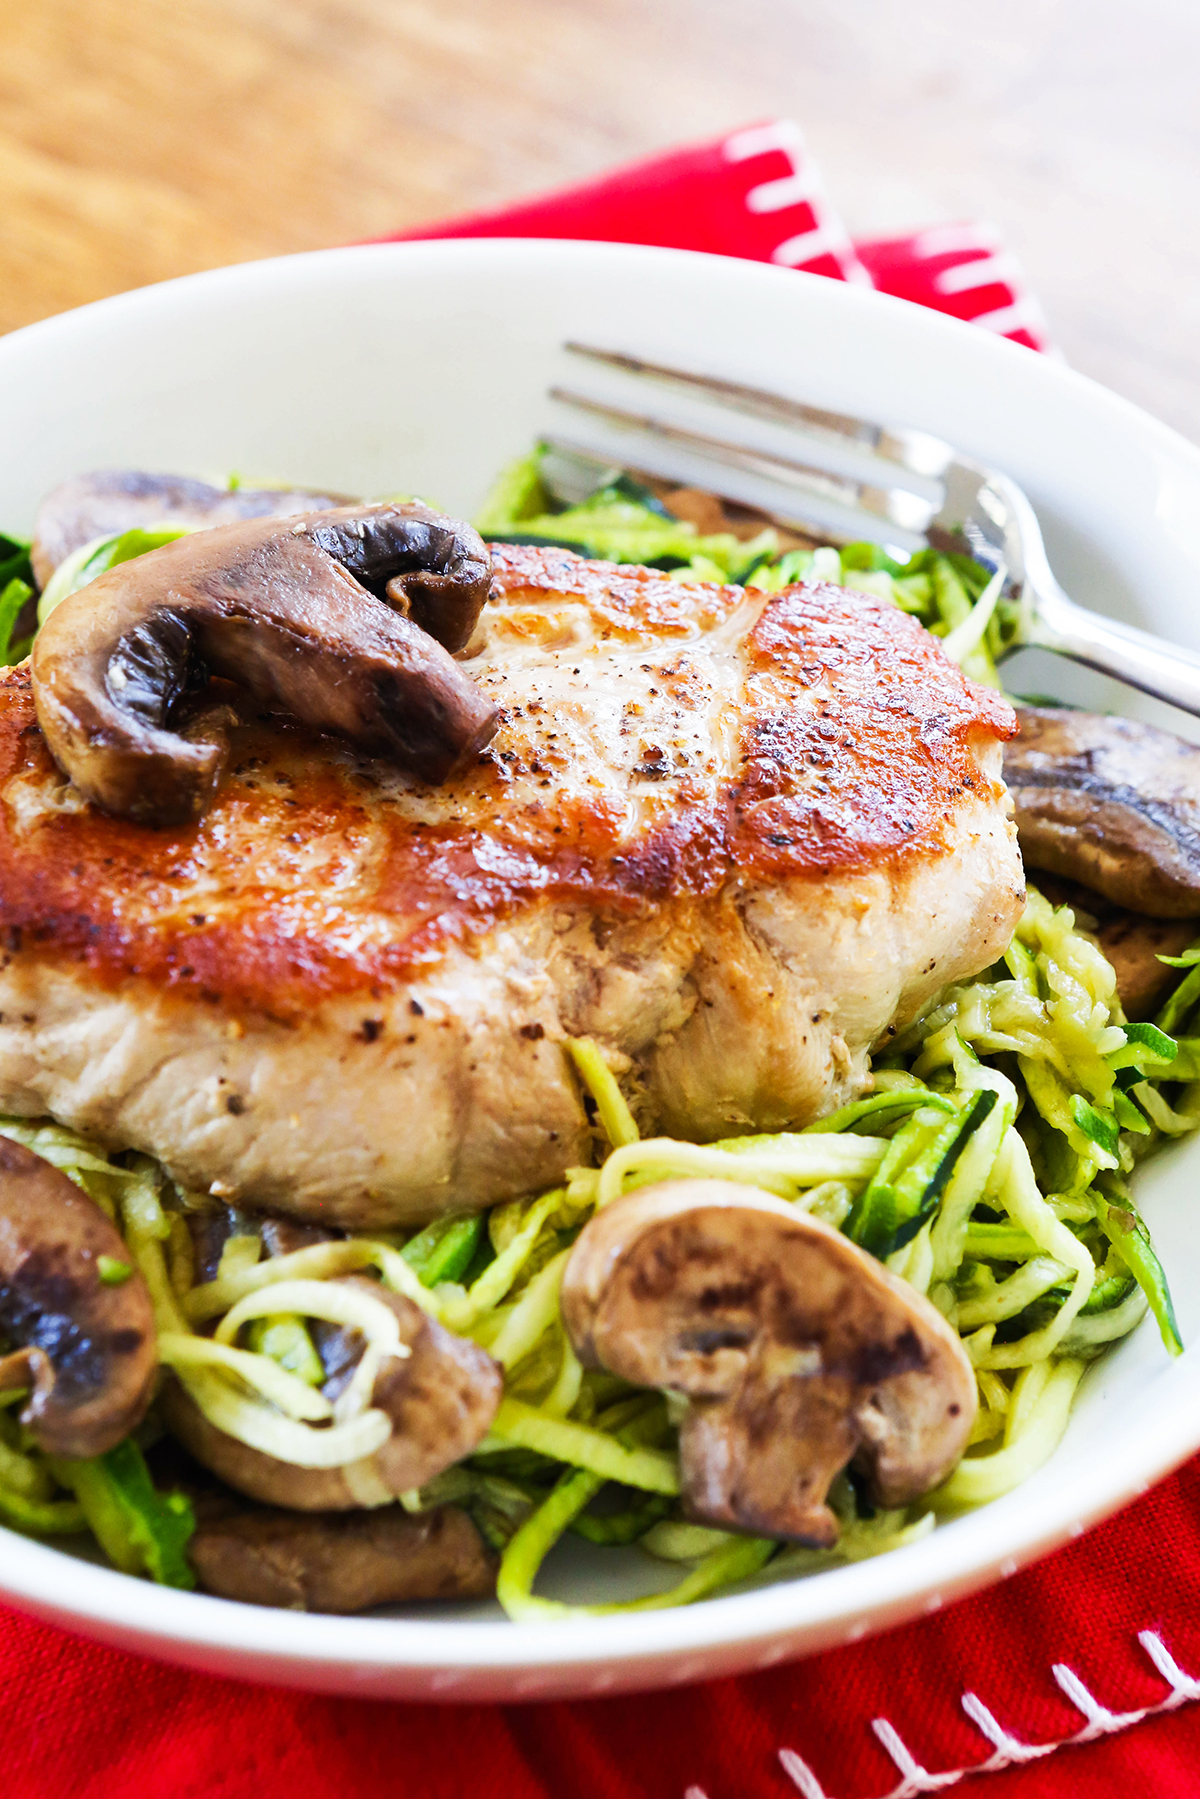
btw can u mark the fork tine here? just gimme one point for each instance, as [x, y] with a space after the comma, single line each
[983, 505]
[874, 507]
[915, 452]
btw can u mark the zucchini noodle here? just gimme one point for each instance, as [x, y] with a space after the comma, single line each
[613, 1112]
[564, 1394]
[1033, 1434]
[291, 1396]
[321, 1261]
[349, 1307]
[496, 1281]
[781, 1165]
[271, 1431]
[733, 1559]
[146, 1227]
[580, 1446]
[533, 1313]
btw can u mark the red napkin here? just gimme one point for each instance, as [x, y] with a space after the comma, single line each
[758, 194]
[1038, 1682]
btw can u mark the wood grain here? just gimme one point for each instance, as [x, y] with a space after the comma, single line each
[141, 139]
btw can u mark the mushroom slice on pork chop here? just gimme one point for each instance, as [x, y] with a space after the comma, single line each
[86, 1347]
[307, 614]
[345, 1561]
[441, 1398]
[1109, 802]
[798, 1353]
[111, 500]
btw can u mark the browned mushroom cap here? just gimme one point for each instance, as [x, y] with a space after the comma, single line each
[87, 1349]
[441, 1399]
[798, 1351]
[111, 500]
[437, 572]
[1109, 802]
[267, 604]
[343, 1562]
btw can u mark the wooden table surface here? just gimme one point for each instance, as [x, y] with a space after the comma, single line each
[141, 139]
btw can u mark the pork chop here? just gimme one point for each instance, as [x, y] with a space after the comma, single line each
[735, 837]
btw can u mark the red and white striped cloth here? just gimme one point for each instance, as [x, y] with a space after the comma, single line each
[758, 194]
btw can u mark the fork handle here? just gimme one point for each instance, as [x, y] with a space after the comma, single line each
[1163, 670]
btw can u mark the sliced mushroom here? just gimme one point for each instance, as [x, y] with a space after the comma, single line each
[343, 1562]
[1111, 803]
[1132, 943]
[211, 1230]
[437, 571]
[441, 1399]
[86, 1348]
[284, 1236]
[111, 500]
[796, 1350]
[274, 606]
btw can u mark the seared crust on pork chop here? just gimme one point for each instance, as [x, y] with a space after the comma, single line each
[733, 836]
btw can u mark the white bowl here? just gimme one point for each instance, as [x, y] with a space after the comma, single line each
[423, 367]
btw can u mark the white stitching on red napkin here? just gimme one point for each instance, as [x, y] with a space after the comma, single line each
[817, 235]
[1008, 1750]
[961, 269]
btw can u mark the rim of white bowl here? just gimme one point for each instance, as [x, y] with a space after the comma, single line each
[992, 1542]
[840, 1604]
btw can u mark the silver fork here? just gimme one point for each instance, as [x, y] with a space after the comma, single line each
[922, 491]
